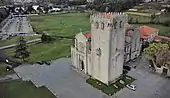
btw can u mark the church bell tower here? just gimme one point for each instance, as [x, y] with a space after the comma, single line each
[108, 39]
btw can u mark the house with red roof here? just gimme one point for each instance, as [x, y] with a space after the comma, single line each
[148, 33]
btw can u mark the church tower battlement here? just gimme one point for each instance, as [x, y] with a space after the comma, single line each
[108, 36]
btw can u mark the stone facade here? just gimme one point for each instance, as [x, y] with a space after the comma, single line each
[100, 53]
[133, 43]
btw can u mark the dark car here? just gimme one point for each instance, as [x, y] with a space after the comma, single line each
[125, 71]
[8, 68]
[127, 68]
[47, 62]
[40, 62]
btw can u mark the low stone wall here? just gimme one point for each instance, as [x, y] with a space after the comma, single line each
[28, 42]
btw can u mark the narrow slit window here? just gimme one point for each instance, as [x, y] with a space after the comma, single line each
[102, 26]
[120, 25]
[115, 24]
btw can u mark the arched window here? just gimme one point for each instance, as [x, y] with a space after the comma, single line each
[109, 25]
[81, 46]
[120, 25]
[97, 25]
[115, 24]
[102, 25]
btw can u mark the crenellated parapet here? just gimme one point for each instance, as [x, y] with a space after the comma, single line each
[111, 19]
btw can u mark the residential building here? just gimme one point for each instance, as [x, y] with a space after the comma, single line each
[100, 53]
[148, 33]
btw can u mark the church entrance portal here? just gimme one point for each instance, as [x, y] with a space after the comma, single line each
[81, 65]
[164, 72]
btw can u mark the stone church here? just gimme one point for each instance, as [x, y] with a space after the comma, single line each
[102, 52]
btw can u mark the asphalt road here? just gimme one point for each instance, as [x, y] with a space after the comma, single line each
[149, 84]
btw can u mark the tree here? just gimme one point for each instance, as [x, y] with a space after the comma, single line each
[21, 49]
[166, 23]
[162, 56]
[159, 54]
[153, 16]
[130, 20]
[137, 21]
[153, 49]
[46, 38]
[39, 9]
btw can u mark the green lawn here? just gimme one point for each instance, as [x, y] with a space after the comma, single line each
[163, 30]
[141, 19]
[138, 13]
[21, 89]
[3, 70]
[61, 24]
[45, 51]
[14, 40]
[111, 89]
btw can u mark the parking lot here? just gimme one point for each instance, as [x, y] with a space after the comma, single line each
[17, 25]
[148, 83]
[64, 82]
[60, 79]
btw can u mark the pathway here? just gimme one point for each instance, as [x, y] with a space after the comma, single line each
[13, 45]
[9, 78]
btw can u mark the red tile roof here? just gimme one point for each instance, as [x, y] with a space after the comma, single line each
[143, 37]
[159, 38]
[146, 31]
[87, 35]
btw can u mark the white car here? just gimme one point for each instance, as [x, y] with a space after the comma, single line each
[132, 87]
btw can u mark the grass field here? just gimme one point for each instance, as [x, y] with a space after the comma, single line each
[138, 13]
[141, 19]
[21, 89]
[14, 40]
[62, 24]
[45, 51]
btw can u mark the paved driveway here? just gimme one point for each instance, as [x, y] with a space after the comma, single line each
[60, 79]
[149, 84]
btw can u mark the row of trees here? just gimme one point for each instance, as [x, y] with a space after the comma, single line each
[113, 5]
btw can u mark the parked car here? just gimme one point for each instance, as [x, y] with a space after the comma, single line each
[47, 62]
[131, 87]
[8, 68]
[127, 68]
[40, 62]
[125, 71]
